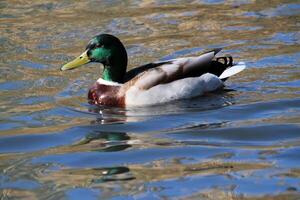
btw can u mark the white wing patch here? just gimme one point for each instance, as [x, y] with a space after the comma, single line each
[180, 89]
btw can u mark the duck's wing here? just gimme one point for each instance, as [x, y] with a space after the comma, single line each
[201, 70]
[138, 70]
[172, 70]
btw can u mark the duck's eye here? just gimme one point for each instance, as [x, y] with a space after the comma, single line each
[94, 46]
[91, 46]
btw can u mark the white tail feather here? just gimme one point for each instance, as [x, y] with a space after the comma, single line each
[233, 70]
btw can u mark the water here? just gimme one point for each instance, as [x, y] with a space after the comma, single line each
[241, 143]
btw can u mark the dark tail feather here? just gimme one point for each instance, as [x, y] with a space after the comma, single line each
[226, 60]
[219, 64]
[216, 50]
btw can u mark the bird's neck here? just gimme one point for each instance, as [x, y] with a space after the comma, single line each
[114, 73]
[115, 65]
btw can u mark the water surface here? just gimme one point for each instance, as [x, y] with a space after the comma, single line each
[240, 143]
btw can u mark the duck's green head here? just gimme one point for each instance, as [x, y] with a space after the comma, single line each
[108, 50]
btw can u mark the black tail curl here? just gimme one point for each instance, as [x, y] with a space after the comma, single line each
[225, 60]
[220, 64]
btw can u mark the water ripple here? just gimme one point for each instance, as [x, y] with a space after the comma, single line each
[54, 145]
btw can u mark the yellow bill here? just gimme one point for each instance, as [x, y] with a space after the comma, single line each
[77, 62]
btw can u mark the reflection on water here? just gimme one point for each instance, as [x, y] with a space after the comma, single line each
[114, 141]
[239, 143]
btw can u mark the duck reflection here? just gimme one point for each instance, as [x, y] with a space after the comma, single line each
[106, 141]
[112, 174]
[136, 174]
[82, 177]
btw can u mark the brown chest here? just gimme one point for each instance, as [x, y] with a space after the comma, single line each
[109, 95]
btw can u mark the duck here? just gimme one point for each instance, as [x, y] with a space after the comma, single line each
[153, 83]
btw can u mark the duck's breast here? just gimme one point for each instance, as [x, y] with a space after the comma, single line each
[104, 94]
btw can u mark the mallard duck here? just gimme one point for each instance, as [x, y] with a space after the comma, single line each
[153, 83]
